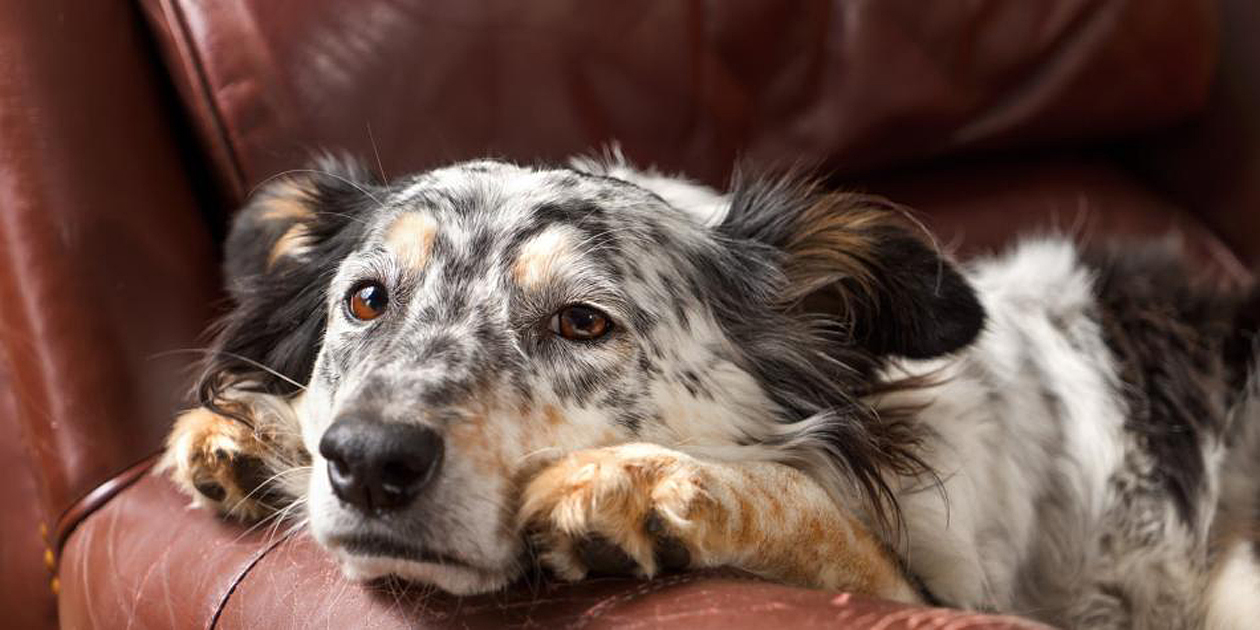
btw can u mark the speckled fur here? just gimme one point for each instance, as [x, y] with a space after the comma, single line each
[798, 385]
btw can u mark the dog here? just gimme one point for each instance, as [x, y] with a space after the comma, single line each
[457, 376]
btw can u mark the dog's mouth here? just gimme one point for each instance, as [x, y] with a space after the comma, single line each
[368, 557]
[376, 546]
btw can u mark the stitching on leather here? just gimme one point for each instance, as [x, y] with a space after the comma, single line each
[178, 24]
[240, 577]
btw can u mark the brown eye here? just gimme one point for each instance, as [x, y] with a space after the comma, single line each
[367, 301]
[580, 323]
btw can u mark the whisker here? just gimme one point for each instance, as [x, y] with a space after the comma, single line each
[286, 472]
[272, 478]
[264, 368]
[316, 171]
[175, 351]
[377, 153]
[238, 357]
[344, 215]
[275, 517]
[261, 522]
[284, 515]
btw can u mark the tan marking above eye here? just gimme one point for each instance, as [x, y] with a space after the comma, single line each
[410, 238]
[541, 256]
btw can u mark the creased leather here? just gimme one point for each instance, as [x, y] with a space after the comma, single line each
[127, 568]
[849, 85]
[976, 207]
[1211, 164]
[25, 596]
[147, 560]
[105, 264]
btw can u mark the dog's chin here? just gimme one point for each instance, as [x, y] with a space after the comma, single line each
[452, 577]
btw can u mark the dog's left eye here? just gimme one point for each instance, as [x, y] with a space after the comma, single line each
[578, 322]
[366, 301]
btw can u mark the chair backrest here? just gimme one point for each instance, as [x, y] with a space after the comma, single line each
[846, 85]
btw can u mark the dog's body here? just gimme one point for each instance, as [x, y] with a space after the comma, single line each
[639, 373]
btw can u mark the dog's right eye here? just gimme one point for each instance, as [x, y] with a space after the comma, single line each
[366, 301]
[578, 322]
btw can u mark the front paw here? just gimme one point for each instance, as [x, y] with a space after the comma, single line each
[219, 462]
[635, 509]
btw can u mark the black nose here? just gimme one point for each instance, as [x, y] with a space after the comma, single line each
[379, 466]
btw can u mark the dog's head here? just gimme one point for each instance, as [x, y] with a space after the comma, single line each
[458, 329]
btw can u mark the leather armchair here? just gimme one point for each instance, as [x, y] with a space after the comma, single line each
[129, 132]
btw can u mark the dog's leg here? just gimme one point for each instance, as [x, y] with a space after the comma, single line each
[234, 468]
[641, 508]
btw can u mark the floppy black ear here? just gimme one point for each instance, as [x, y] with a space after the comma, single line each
[283, 249]
[914, 303]
[858, 257]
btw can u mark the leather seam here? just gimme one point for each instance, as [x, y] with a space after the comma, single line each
[240, 577]
[193, 59]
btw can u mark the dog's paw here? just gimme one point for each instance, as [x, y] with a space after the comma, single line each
[635, 509]
[219, 462]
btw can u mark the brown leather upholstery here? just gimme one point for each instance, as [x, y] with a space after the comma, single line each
[107, 268]
[25, 580]
[1211, 162]
[1100, 116]
[847, 84]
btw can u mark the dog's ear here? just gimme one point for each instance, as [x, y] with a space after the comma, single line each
[287, 216]
[283, 249]
[861, 259]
